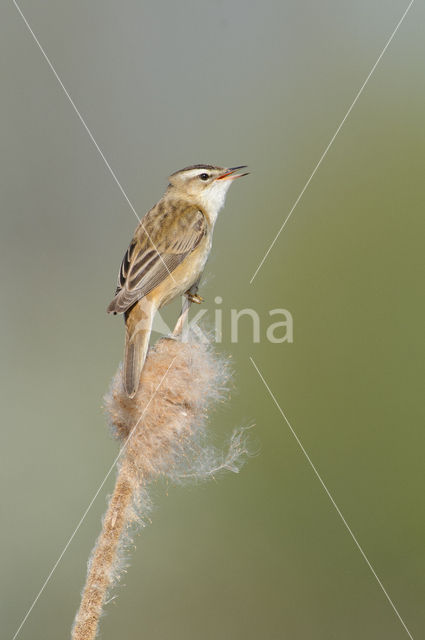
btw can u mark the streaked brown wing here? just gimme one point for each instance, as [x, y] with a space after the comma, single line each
[155, 252]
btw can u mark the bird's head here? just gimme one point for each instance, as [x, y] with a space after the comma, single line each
[204, 185]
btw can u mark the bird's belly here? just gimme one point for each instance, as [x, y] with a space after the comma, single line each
[183, 277]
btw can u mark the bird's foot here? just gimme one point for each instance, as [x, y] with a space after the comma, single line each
[194, 297]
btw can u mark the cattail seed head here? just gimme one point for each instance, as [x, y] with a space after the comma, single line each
[164, 425]
[163, 431]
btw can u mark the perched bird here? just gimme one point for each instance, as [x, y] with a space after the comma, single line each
[167, 255]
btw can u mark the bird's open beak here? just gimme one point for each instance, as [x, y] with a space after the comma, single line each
[229, 174]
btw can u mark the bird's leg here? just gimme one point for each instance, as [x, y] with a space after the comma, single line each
[182, 319]
[192, 293]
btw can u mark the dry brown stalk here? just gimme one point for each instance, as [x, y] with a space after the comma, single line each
[99, 574]
[163, 431]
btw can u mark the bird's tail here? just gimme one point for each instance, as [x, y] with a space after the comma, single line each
[138, 330]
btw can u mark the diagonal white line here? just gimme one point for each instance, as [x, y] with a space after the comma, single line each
[45, 583]
[111, 171]
[318, 476]
[83, 122]
[322, 157]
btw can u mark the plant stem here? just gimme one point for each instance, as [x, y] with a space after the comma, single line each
[100, 574]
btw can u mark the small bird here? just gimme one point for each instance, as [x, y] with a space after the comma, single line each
[167, 255]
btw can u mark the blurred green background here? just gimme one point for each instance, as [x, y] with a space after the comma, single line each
[162, 85]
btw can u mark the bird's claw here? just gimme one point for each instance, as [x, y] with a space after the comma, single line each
[194, 297]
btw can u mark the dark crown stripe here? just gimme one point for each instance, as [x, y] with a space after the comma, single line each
[195, 166]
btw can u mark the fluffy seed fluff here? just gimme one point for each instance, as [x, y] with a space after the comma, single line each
[163, 431]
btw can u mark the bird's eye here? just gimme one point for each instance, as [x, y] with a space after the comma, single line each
[204, 176]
